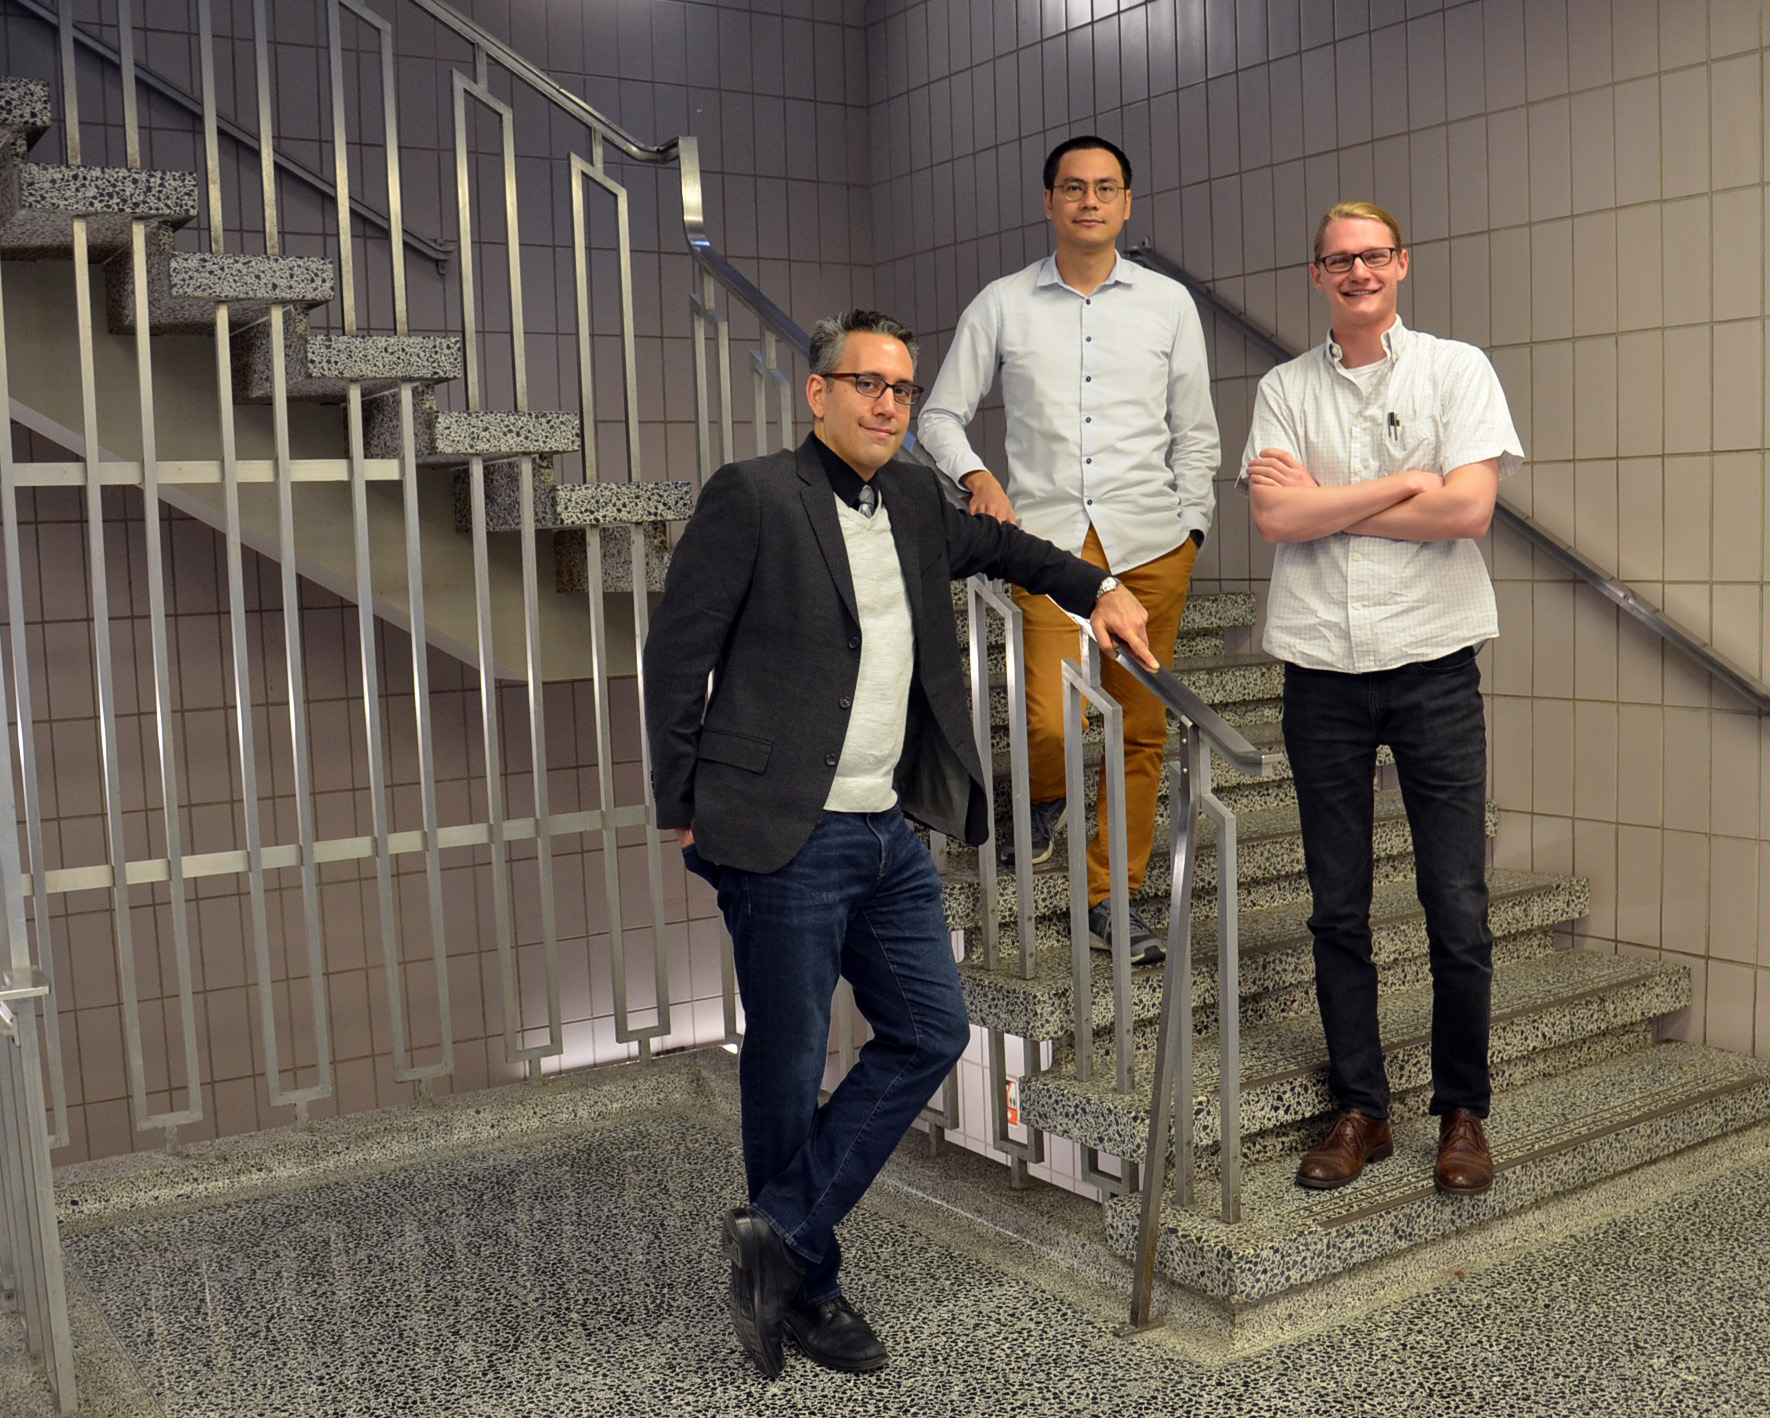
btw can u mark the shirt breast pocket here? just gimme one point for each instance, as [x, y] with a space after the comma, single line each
[1415, 438]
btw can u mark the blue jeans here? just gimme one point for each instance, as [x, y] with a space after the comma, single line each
[861, 900]
[1430, 715]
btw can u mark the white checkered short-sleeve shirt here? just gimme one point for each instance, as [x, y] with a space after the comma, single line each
[1358, 604]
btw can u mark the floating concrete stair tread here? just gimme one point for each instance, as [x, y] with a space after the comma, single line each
[1216, 679]
[1537, 1005]
[571, 568]
[1276, 953]
[184, 287]
[1214, 610]
[1188, 645]
[384, 359]
[39, 204]
[25, 112]
[1269, 846]
[563, 505]
[319, 369]
[506, 433]
[1549, 1137]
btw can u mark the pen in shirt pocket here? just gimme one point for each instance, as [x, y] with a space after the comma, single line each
[1394, 427]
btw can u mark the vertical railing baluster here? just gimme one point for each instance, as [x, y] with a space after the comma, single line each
[294, 661]
[1171, 1097]
[25, 735]
[489, 717]
[414, 543]
[1228, 995]
[70, 89]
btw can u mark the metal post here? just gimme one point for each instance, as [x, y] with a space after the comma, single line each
[1171, 1100]
[1228, 996]
[1081, 683]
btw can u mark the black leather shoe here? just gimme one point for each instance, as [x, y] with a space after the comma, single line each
[836, 1335]
[764, 1278]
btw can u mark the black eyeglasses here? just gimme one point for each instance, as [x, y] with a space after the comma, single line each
[870, 386]
[1340, 262]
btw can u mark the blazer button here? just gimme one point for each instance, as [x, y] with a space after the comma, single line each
[845, 702]
[854, 642]
[829, 760]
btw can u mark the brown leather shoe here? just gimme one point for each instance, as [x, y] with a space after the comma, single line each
[1465, 1166]
[1354, 1141]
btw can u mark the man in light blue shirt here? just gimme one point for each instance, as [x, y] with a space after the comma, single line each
[1112, 450]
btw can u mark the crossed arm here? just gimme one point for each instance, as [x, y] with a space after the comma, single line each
[1413, 506]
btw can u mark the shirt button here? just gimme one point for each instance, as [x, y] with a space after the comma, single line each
[1089, 501]
[1088, 419]
[1087, 378]
[845, 702]
[854, 642]
[1356, 556]
[829, 760]
[1087, 460]
[1088, 339]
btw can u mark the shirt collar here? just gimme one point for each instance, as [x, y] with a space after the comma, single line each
[1123, 273]
[844, 481]
[1395, 341]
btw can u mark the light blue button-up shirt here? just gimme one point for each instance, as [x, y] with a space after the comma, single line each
[1108, 398]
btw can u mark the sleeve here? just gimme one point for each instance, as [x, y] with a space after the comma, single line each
[709, 577]
[1477, 422]
[1271, 425]
[983, 545]
[965, 377]
[1195, 449]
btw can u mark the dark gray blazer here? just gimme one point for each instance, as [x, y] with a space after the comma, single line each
[759, 594]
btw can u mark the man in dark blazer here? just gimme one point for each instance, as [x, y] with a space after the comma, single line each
[814, 587]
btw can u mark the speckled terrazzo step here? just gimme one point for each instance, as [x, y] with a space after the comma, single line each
[1276, 956]
[1212, 610]
[1549, 1137]
[38, 205]
[1269, 850]
[1538, 1005]
[448, 439]
[319, 369]
[25, 115]
[1219, 680]
[571, 572]
[560, 505]
[184, 287]
[1188, 645]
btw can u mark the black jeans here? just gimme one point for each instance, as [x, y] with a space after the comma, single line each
[1430, 715]
[862, 900]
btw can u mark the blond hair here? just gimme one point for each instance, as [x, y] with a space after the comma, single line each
[1356, 212]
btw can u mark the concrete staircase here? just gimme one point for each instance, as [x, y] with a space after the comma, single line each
[1582, 1092]
[38, 206]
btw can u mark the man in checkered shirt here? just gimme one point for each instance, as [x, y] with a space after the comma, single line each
[1373, 462]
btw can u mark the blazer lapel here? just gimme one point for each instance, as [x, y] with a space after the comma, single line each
[820, 507]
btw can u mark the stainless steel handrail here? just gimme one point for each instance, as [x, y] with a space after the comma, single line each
[441, 252]
[1685, 641]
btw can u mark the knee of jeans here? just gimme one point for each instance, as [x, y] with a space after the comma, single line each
[948, 1037]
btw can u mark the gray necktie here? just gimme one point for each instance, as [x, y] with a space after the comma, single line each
[868, 500]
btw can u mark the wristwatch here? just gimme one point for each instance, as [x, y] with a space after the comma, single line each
[1111, 583]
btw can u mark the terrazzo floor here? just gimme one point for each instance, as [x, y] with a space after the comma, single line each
[579, 1274]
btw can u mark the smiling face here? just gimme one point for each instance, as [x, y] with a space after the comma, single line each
[864, 433]
[1360, 299]
[1088, 225]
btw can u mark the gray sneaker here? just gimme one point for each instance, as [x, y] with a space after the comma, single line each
[1047, 821]
[1147, 948]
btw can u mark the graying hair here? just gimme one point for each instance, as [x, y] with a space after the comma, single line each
[830, 335]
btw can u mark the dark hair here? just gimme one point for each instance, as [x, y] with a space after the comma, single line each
[830, 335]
[1087, 140]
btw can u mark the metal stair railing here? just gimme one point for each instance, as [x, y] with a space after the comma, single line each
[1204, 732]
[1685, 641]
